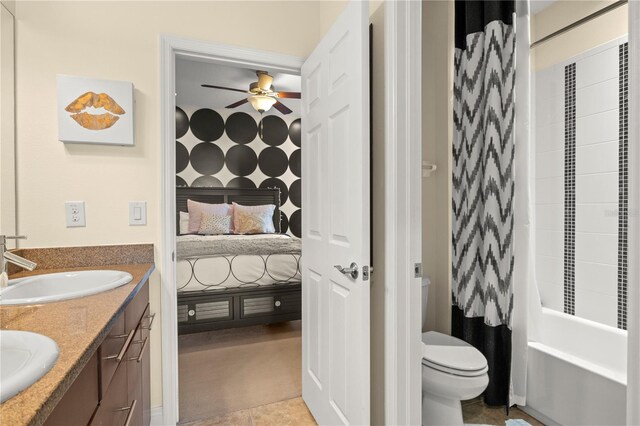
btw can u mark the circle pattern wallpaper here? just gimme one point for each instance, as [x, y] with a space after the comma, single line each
[223, 148]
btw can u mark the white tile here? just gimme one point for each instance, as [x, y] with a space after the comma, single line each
[550, 190]
[597, 158]
[550, 110]
[597, 98]
[597, 68]
[550, 137]
[598, 218]
[596, 307]
[598, 188]
[551, 295]
[550, 164]
[549, 243]
[550, 269]
[597, 277]
[550, 217]
[602, 127]
[597, 248]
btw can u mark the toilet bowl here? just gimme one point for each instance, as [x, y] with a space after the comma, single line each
[452, 371]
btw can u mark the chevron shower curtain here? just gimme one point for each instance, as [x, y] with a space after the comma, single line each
[483, 185]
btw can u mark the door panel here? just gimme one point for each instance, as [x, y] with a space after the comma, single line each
[336, 193]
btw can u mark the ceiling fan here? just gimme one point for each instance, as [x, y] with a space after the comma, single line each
[262, 95]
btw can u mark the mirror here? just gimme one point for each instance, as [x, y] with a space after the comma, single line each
[7, 124]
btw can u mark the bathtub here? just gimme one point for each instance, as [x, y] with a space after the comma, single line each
[577, 372]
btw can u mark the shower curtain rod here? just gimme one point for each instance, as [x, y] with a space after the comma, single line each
[580, 22]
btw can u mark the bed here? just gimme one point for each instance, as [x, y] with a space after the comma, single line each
[227, 281]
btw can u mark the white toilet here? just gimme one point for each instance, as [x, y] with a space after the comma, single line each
[452, 371]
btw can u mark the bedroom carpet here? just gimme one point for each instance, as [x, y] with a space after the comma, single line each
[221, 372]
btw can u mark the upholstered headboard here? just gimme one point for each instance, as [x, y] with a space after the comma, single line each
[244, 196]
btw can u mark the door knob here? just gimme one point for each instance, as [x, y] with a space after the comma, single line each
[351, 270]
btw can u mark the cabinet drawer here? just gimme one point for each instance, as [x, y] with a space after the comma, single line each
[109, 351]
[116, 409]
[81, 400]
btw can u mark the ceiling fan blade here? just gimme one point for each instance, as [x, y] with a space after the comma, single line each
[282, 108]
[224, 88]
[237, 104]
[290, 95]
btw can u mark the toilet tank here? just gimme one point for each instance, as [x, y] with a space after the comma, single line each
[425, 296]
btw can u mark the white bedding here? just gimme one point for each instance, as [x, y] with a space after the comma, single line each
[220, 272]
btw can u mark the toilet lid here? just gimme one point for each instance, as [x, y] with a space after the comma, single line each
[452, 355]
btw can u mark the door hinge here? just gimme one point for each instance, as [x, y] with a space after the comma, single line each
[417, 270]
[173, 256]
[365, 273]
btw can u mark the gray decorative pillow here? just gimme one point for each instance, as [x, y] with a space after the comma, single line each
[211, 224]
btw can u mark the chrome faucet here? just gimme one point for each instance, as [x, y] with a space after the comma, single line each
[8, 257]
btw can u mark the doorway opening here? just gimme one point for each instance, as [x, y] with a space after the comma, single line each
[238, 247]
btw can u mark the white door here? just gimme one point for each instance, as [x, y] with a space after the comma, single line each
[335, 222]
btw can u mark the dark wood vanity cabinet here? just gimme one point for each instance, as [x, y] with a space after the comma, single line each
[114, 387]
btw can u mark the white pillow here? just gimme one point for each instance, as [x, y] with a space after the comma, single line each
[184, 223]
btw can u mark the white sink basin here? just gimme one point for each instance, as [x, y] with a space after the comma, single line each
[61, 286]
[24, 358]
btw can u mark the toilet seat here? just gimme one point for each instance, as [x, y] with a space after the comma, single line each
[452, 355]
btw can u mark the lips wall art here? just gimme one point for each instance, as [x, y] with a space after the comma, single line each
[95, 111]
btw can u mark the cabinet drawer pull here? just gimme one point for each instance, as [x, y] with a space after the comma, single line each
[124, 348]
[151, 318]
[130, 410]
[144, 346]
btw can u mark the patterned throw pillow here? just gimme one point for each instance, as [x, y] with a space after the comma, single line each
[253, 219]
[196, 209]
[214, 225]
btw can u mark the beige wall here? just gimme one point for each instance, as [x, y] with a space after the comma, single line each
[437, 137]
[119, 41]
[605, 28]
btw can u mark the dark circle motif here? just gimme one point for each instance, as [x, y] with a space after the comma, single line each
[284, 223]
[182, 157]
[295, 223]
[182, 123]
[295, 193]
[241, 182]
[207, 125]
[207, 158]
[295, 162]
[295, 132]
[241, 160]
[241, 127]
[273, 161]
[277, 183]
[273, 130]
[181, 182]
[207, 182]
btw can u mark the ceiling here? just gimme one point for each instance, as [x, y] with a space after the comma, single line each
[191, 74]
[539, 5]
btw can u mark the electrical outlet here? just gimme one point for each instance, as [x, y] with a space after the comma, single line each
[74, 214]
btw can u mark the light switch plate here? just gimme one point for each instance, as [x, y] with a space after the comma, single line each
[137, 213]
[74, 214]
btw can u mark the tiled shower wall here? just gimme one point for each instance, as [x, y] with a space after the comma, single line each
[580, 185]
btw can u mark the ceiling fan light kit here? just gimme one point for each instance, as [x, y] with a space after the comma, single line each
[261, 103]
[262, 95]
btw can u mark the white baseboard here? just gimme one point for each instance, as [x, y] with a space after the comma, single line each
[156, 416]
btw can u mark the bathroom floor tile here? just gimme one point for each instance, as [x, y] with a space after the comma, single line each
[475, 411]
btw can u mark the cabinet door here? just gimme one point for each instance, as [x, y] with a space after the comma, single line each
[116, 409]
[108, 352]
[134, 375]
[79, 403]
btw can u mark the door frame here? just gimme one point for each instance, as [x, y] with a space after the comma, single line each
[403, 212]
[172, 47]
[403, 188]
